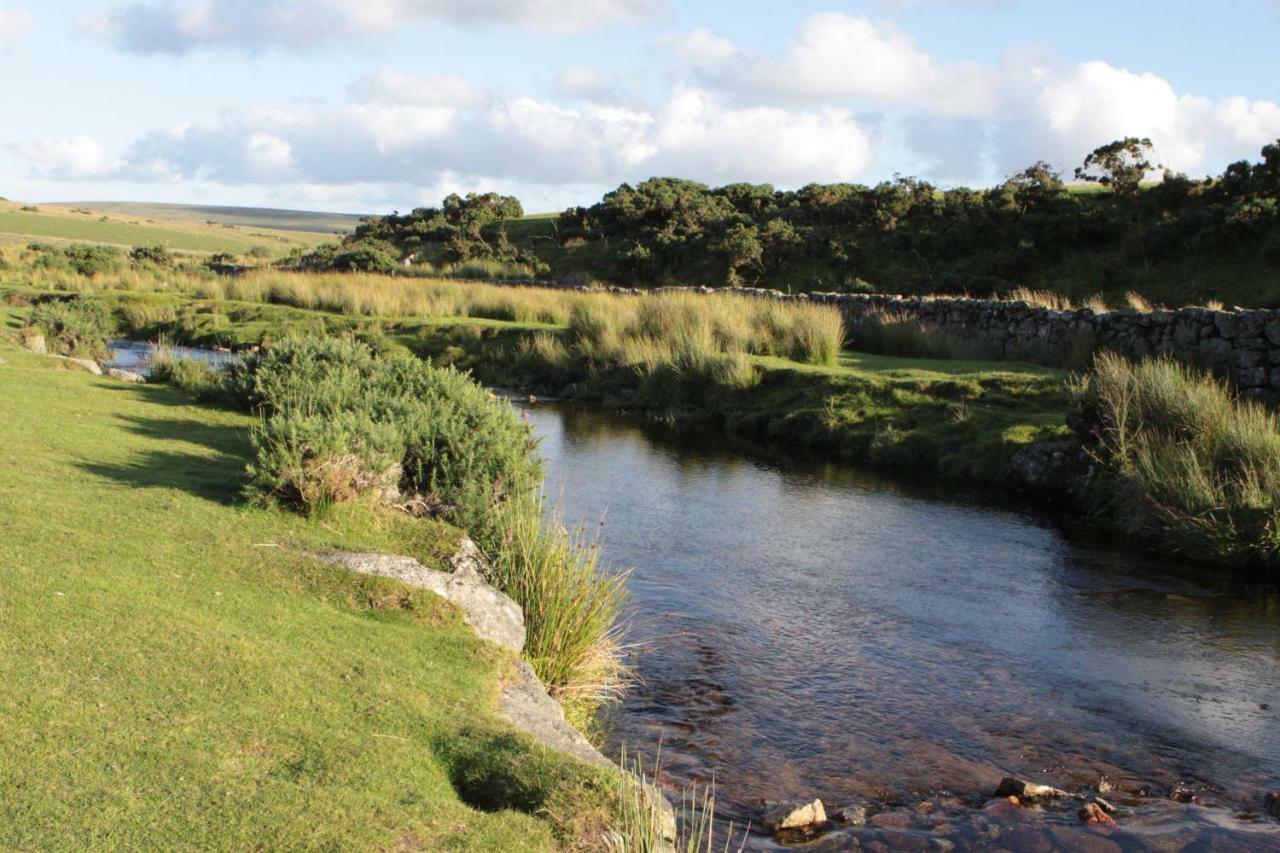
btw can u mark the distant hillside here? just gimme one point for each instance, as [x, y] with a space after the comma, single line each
[68, 223]
[245, 217]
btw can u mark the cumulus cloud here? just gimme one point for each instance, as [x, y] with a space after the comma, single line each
[699, 48]
[68, 158]
[838, 57]
[377, 138]
[14, 23]
[174, 27]
[1060, 114]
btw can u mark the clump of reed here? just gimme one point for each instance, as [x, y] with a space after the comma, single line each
[643, 825]
[1184, 460]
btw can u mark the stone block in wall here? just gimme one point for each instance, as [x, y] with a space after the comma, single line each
[1242, 358]
[1275, 356]
[1228, 325]
[1251, 377]
[1256, 342]
[1185, 334]
[1275, 378]
[1273, 332]
[1215, 350]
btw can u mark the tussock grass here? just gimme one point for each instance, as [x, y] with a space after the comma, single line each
[641, 826]
[1186, 461]
[573, 605]
[887, 332]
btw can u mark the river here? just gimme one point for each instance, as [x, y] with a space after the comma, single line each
[806, 629]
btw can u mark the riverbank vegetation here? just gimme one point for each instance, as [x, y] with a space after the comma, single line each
[1176, 241]
[1180, 459]
[174, 665]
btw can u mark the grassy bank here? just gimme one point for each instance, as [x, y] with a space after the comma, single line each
[172, 666]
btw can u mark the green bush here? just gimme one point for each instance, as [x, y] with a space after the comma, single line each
[1182, 460]
[74, 327]
[333, 404]
[152, 256]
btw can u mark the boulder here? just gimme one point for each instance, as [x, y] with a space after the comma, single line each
[86, 363]
[125, 375]
[1024, 790]
[526, 704]
[793, 814]
[490, 613]
[34, 342]
[1053, 469]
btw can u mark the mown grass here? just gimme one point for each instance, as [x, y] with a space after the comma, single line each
[175, 672]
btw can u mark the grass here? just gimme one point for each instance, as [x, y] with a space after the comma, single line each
[309, 222]
[95, 227]
[174, 671]
[1186, 463]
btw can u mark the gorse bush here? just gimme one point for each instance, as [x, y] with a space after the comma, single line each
[1182, 459]
[340, 423]
[74, 327]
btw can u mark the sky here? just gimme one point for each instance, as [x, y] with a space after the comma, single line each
[366, 106]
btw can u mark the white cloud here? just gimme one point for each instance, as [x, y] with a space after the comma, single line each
[699, 47]
[68, 158]
[423, 90]
[1062, 114]
[838, 57]
[173, 27]
[525, 140]
[13, 23]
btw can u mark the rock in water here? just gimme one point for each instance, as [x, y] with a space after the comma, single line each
[793, 814]
[852, 815]
[1096, 815]
[1024, 790]
[1273, 805]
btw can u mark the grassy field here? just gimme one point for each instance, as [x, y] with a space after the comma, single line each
[54, 224]
[176, 673]
[245, 217]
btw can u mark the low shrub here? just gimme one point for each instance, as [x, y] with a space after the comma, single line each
[1182, 459]
[74, 327]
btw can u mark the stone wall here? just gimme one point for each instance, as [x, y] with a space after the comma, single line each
[1242, 345]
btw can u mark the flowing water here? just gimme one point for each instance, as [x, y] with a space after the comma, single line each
[809, 630]
[136, 356]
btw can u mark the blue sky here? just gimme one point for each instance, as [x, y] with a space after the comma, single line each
[368, 105]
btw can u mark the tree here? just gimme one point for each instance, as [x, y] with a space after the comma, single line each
[1121, 165]
[1034, 186]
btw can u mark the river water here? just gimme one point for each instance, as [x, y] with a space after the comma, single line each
[805, 629]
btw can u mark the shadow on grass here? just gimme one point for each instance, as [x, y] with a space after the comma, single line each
[495, 770]
[217, 473]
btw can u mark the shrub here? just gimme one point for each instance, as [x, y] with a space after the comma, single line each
[1182, 459]
[155, 256]
[91, 260]
[74, 327]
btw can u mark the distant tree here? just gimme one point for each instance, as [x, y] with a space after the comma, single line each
[1034, 186]
[742, 249]
[1121, 165]
[1268, 171]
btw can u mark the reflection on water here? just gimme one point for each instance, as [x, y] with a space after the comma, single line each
[811, 630]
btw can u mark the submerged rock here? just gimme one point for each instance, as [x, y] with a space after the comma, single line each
[793, 814]
[852, 815]
[1094, 814]
[1024, 790]
[1273, 804]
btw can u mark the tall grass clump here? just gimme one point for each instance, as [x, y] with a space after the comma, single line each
[643, 825]
[1183, 459]
[888, 332]
[573, 605]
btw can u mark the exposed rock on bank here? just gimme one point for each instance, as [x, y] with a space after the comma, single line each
[490, 613]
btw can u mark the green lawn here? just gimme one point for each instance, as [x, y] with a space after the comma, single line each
[175, 673]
